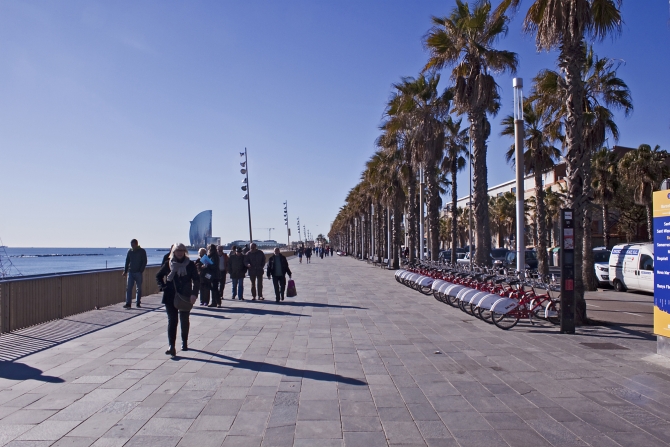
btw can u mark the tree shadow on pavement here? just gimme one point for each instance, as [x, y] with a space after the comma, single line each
[278, 369]
[321, 305]
[20, 371]
[247, 310]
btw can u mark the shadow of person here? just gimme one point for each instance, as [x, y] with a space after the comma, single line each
[252, 311]
[278, 369]
[319, 305]
[21, 371]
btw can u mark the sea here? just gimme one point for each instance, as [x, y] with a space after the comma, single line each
[16, 261]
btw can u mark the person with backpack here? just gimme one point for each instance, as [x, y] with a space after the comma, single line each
[237, 271]
[277, 270]
[178, 278]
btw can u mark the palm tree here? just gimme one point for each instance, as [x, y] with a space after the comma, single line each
[416, 111]
[554, 201]
[456, 150]
[541, 131]
[605, 183]
[644, 169]
[464, 41]
[564, 25]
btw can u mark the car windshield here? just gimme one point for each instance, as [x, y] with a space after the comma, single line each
[601, 256]
[531, 255]
[498, 253]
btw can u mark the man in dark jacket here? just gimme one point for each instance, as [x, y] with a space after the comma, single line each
[255, 261]
[136, 262]
[237, 271]
[277, 269]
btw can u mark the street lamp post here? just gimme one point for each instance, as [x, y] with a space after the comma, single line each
[245, 187]
[517, 83]
[288, 230]
[421, 221]
[470, 201]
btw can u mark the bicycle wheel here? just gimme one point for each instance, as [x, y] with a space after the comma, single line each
[553, 313]
[471, 309]
[505, 321]
[452, 301]
[484, 314]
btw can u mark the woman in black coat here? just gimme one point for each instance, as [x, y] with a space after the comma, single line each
[178, 273]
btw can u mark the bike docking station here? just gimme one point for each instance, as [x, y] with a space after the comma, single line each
[568, 304]
[661, 214]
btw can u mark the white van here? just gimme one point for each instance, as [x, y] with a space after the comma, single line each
[631, 266]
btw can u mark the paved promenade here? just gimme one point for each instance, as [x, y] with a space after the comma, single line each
[356, 360]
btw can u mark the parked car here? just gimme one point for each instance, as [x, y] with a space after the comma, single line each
[601, 264]
[530, 261]
[498, 255]
[631, 266]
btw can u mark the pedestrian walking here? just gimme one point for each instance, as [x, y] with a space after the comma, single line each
[254, 260]
[223, 265]
[202, 264]
[308, 254]
[136, 262]
[321, 252]
[301, 252]
[178, 276]
[278, 269]
[213, 275]
[237, 271]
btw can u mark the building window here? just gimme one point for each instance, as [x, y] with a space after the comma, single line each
[514, 190]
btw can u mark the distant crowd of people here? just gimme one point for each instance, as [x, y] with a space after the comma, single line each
[307, 252]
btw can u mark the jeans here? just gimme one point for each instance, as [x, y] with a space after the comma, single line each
[238, 284]
[222, 283]
[134, 279]
[175, 316]
[280, 286]
[256, 279]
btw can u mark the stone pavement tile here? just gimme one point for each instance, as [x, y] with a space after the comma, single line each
[479, 438]
[638, 438]
[465, 421]
[78, 411]
[451, 404]
[202, 439]
[423, 412]
[10, 432]
[242, 441]
[110, 442]
[223, 407]
[488, 404]
[249, 423]
[319, 410]
[68, 441]
[29, 444]
[258, 402]
[505, 421]
[170, 427]
[413, 395]
[365, 439]
[54, 402]
[442, 442]
[279, 436]
[212, 423]
[308, 442]
[181, 410]
[318, 430]
[152, 441]
[48, 431]
[361, 423]
[27, 417]
[433, 429]
[353, 408]
[125, 428]
[523, 438]
[398, 432]
[394, 414]
[96, 426]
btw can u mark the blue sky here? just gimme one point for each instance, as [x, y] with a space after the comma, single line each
[125, 119]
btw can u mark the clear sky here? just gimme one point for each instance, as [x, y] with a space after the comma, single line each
[125, 119]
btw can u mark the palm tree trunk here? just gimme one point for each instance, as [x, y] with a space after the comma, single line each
[396, 235]
[411, 214]
[480, 188]
[433, 213]
[540, 222]
[571, 60]
[606, 225]
[454, 217]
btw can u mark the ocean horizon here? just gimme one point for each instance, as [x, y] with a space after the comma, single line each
[27, 261]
